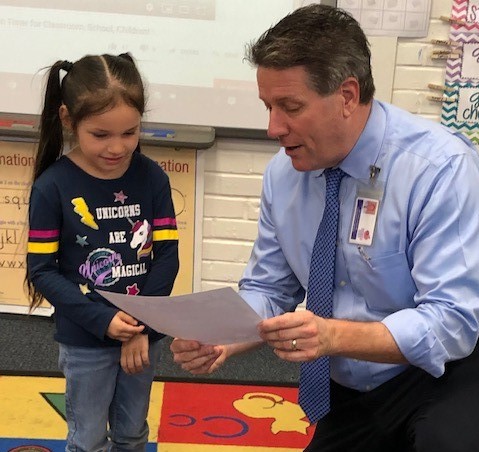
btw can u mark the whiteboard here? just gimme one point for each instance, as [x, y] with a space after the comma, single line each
[190, 53]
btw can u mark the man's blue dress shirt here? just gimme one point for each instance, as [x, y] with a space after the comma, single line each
[420, 276]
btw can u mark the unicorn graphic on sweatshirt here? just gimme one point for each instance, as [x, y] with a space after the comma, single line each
[142, 238]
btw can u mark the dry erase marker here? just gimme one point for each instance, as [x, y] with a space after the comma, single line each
[158, 133]
[16, 124]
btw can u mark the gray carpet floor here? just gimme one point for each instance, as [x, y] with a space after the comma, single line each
[27, 348]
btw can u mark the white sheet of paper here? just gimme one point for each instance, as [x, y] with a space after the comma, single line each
[213, 317]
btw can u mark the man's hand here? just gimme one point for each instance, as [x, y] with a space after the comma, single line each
[123, 327]
[134, 354]
[311, 335]
[197, 358]
[303, 336]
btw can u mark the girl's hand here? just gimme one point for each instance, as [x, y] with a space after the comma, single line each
[123, 327]
[134, 354]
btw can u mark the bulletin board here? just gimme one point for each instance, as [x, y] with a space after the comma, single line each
[16, 167]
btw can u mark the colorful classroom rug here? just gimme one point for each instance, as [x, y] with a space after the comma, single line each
[183, 417]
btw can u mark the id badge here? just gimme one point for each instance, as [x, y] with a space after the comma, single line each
[364, 221]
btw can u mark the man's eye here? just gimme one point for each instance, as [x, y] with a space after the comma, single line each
[99, 135]
[292, 108]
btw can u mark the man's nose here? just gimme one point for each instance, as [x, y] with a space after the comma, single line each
[277, 126]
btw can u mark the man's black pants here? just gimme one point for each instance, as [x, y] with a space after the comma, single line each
[413, 412]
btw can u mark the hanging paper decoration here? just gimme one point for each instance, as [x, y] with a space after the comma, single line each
[460, 107]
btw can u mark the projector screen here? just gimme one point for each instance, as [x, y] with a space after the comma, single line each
[190, 52]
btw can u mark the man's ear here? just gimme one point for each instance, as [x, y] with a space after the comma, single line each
[350, 92]
[65, 117]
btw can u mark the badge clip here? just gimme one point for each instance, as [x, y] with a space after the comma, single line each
[373, 173]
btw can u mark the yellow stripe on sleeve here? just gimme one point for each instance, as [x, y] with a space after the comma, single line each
[165, 234]
[42, 248]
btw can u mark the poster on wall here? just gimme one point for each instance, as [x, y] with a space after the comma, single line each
[16, 167]
[180, 165]
[399, 18]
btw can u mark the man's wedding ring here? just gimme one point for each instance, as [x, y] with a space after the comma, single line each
[293, 344]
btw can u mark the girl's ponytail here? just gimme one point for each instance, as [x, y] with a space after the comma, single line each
[50, 145]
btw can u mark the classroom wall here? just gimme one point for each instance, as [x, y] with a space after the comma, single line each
[233, 168]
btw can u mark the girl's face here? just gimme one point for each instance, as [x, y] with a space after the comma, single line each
[106, 141]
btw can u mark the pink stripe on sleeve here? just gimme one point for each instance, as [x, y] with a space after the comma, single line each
[164, 222]
[43, 233]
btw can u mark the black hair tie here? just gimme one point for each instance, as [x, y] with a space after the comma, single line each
[126, 56]
[67, 65]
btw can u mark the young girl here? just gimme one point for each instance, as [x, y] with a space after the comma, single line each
[101, 216]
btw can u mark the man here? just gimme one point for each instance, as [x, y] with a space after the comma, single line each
[400, 345]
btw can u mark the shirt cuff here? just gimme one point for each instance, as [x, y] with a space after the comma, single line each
[417, 341]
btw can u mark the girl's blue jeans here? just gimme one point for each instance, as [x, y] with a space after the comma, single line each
[106, 409]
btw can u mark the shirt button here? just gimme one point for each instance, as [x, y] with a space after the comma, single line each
[368, 388]
[342, 283]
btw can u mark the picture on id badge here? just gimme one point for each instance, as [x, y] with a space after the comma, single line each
[364, 221]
